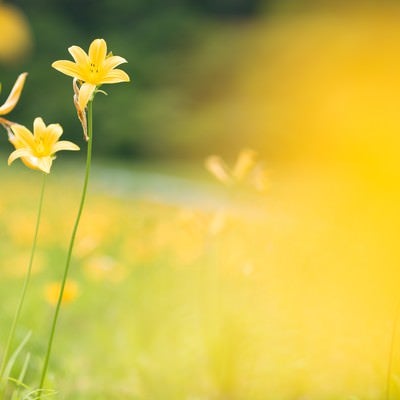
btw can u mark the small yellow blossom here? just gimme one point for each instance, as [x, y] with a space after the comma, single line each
[52, 292]
[92, 69]
[13, 98]
[37, 150]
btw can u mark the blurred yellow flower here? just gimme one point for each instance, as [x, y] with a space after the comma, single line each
[15, 35]
[245, 162]
[219, 169]
[13, 98]
[245, 168]
[37, 150]
[92, 69]
[52, 292]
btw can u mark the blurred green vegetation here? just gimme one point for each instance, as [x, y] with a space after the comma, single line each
[176, 51]
[191, 63]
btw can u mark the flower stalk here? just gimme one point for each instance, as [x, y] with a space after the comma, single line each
[69, 254]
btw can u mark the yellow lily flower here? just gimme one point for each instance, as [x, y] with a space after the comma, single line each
[92, 69]
[37, 150]
[246, 168]
[13, 98]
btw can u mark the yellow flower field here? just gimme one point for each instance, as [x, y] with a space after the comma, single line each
[292, 297]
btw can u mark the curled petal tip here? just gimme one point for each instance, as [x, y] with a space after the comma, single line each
[14, 95]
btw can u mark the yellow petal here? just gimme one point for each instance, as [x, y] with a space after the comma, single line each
[85, 94]
[217, 167]
[65, 145]
[79, 55]
[116, 76]
[31, 162]
[13, 98]
[38, 125]
[23, 135]
[44, 163]
[54, 131]
[97, 51]
[26, 157]
[18, 154]
[68, 68]
[113, 61]
[244, 163]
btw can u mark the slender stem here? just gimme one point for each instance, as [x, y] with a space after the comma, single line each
[25, 286]
[391, 352]
[71, 246]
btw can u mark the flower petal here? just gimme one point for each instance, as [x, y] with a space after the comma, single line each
[65, 145]
[44, 163]
[113, 61]
[38, 125]
[18, 154]
[23, 135]
[68, 68]
[31, 162]
[79, 55]
[54, 131]
[85, 94]
[97, 51]
[246, 160]
[116, 76]
[15, 93]
[219, 169]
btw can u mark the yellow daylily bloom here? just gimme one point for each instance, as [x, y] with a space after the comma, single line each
[37, 150]
[13, 98]
[245, 170]
[92, 69]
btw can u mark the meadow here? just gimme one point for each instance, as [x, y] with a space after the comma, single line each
[184, 289]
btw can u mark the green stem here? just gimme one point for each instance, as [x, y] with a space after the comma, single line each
[391, 352]
[71, 246]
[24, 288]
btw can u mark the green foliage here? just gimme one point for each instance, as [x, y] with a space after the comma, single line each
[162, 42]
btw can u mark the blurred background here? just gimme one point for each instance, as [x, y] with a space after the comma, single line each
[283, 293]
[215, 76]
